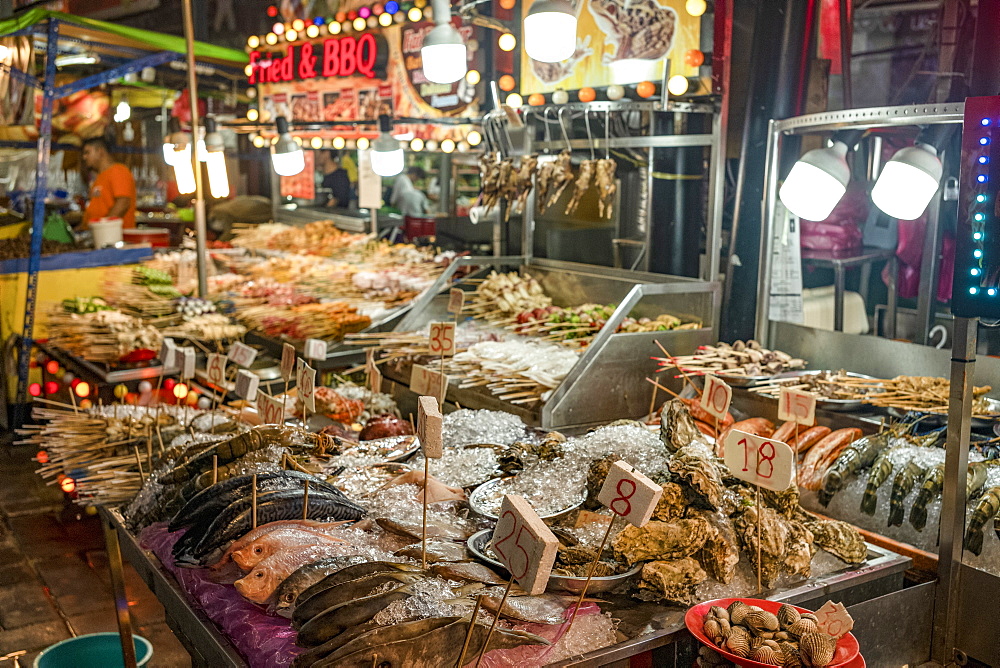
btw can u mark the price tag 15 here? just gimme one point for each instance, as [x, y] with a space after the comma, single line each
[315, 349]
[269, 408]
[186, 358]
[374, 375]
[242, 354]
[525, 545]
[442, 339]
[306, 383]
[216, 370]
[630, 494]
[429, 421]
[424, 381]
[246, 384]
[168, 353]
[716, 397]
[456, 300]
[797, 406]
[287, 361]
[758, 460]
[834, 620]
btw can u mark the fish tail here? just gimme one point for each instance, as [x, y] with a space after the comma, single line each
[824, 497]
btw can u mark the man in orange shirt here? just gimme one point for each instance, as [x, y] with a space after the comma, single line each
[112, 194]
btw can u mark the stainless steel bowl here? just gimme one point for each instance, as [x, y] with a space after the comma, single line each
[823, 402]
[479, 494]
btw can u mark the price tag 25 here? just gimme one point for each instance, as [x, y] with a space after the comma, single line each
[525, 545]
[716, 397]
[429, 421]
[442, 339]
[758, 460]
[242, 354]
[216, 369]
[797, 406]
[287, 361]
[269, 408]
[456, 300]
[630, 494]
[306, 383]
[834, 620]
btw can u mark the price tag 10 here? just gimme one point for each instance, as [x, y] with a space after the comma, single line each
[797, 406]
[168, 353]
[442, 339]
[186, 358]
[374, 375]
[242, 354]
[630, 494]
[246, 384]
[525, 545]
[758, 460]
[270, 409]
[429, 420]
[834, 620]
[716, 397]
[287, 361]
[216, 370]
[456, 300]
[306, 383]
[424, 381]
[315, 349]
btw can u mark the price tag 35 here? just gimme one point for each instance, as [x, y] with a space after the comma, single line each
[797, 406]
[442, 339]
[758, 460]
[834, 620]
[630, 494]
[716, 397]
[216, 370]
[525, 545]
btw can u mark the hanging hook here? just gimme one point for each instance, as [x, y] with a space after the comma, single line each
[590, 137]
[547, 130]
[563, 128]
[607, 134]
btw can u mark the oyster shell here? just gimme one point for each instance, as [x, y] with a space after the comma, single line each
[677, 427]
[840, 539]
[576, 554]
[596, 475]
[660, 540]
[772, 540]
[697, 466]
[721, 552]
[672, 581]
[800, 550]
[816, 649]
[672, 503]
[786, 503]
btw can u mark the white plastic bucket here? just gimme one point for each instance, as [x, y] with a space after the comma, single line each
[106, 231]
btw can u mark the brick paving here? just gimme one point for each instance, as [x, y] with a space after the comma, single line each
[54, 572]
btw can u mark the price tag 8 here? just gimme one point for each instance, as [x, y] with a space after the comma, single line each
[758, 460]
[242, 354]
[269, 408]
[442, 339]
[306, 383]
[287, 361]
[424, 381]
[429, 427]
[797, 406]
[168, 353]
[186, 360]
[374, 375]
[315, 349]
[246, 384]
[834, 620]
[456, 300]
[630, 494]
[216, 369]
[716, 397]
[525, 545]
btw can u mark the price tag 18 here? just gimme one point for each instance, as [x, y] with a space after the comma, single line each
[525, 545]
[442, 339]
[716, 397]
[834, 620]
[424, 381]
[306, 383]
[797, 406]
[758, 460]
[242, 354]
[287, 361]
[269, 408]
[168, 353]
[630, 494]
[374, 375]
[246, 384]
[315, 349]
[186, 358]
[216, 370]
[456, 300]
[429, 420]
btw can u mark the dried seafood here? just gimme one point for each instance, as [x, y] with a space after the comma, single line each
[553, 177]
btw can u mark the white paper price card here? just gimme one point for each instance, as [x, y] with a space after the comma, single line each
[429, 427]
[242, 354]
[834, 620]
[216, 369]
[246, 384]
[797, 406]
[374, 375]
[716, 397]
[287, 361]
[456, 300]
[758, 460]
[526, 547]
[306, 383]
[270, 409]
[630, 494]
[315, 349]
[442, 339]
[168, 353]
[186, 358]
[424, 381]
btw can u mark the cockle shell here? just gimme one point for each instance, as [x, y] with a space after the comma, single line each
[713, 631]
[726, 627]
[761, 621]
[789, 655]
[788, 615]
[816, 649]
[709, 657]
[738, 642]
[810, 616]
[719, 612]
[782, 635]
[801, 627]
[737, 612]
[765, 654]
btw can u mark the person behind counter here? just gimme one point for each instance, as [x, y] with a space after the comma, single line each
[336, 180]
[406, 197]
[112, 194]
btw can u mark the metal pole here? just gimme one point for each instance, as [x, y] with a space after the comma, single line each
[929, 271]
[199, 192]
[953, 501]
[769, 207]
[121, 598]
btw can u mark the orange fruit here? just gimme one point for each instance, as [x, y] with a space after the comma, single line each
[536, 99]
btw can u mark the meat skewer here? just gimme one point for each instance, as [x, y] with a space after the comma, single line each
[581, 186]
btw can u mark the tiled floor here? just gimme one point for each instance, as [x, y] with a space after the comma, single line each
[54, 572]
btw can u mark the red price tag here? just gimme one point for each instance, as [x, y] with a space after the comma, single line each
[374, 375]
[315, 349]
[456, 300]
[429, 421]
[797, 406]
[270, 409]
[525, 545]
[834, 620]
[758, 460]
[716, 397]
[424, 381]
[630, 494]
[287, 361]
[242, 354]
[216, 370]
[306, 383]
[442, 340]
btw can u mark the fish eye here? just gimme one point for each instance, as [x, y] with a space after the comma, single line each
[257, 550]
[260, 574]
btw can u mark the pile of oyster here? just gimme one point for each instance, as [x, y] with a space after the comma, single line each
[789, 638]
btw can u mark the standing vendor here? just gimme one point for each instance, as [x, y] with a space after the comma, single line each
[405, 196]
[112, 194]
[336, 181]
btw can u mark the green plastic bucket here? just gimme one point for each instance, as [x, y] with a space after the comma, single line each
[94, 650]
